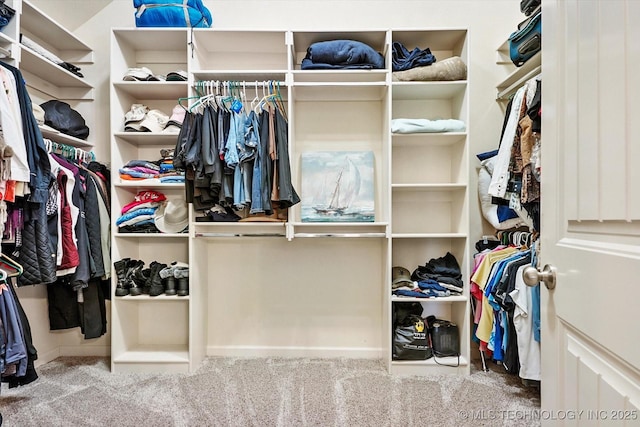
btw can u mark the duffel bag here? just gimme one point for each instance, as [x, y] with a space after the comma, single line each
[527, 41]
[172, 13]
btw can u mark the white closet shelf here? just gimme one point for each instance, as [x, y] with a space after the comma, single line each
[457, 298]
[51, 79]
[155, 354]
[36, 22]
[153, 90]
[249, 76]
[428, 187]
[150, 299]
[334, 76]
[429, 366]
[428, 235]
[243, 224]
[154, 39]
[148, 138]
[435, 138]
[153, 185]
[528, 70]
[153, 235]
[63, 138]
[427, 90]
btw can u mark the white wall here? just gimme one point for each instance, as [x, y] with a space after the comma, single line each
[489, 23]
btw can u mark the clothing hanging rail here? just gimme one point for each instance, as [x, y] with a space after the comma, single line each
[5, 53]
[341, 235]
[68, 151]
[240, 235]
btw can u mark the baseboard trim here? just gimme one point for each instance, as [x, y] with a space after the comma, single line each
[47, 357]
[85, 350]
[315, 352]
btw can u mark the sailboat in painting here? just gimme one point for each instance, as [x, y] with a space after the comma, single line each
[337, 186]
[346, 189]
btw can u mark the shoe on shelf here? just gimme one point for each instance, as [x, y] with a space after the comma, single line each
[132, 271]
[157, 288]
[183, 287]
[121, 273]
[170, 286]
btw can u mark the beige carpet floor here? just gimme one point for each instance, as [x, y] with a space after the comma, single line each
[81, 391]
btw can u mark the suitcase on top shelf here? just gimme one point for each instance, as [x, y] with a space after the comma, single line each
[527, 40]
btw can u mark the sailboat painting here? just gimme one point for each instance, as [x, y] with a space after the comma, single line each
[337, 186]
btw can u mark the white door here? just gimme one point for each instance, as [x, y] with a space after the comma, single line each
[590, 208]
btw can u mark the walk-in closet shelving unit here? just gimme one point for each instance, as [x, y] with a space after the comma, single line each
[305, 288]
[429, 187]
[148, 333]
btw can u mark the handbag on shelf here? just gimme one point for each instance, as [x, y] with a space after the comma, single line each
[527, 40]
[410, 340]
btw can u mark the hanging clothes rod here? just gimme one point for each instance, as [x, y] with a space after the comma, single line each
[240, 235]
[5, 53]
[69, 151]
[339, 235]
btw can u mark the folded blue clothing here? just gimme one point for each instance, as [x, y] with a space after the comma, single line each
[341, 54]
[172, 179]
[404, 60]
[133, 214]
[431, 285]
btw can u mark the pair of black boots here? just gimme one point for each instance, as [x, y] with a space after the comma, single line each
[134, 279]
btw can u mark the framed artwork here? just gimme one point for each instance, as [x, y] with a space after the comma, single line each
[337, 186]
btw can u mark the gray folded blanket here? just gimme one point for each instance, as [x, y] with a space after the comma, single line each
[446, 70]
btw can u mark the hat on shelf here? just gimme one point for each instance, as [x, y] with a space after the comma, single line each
[177, 76]
[134, 117]
[141, 74]
[38, 113]
[172, 216]
[400, 276]
[60, 116]
[153, 121]
[175, 121]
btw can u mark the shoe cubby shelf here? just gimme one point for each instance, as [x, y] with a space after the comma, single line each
[420, 184]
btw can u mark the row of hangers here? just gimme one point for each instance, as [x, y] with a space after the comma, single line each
[232, 96]
[72, 153]
[9, 268]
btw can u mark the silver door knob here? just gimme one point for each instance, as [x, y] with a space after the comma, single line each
[532, 276]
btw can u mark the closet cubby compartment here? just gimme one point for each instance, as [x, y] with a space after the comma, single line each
[239, 55]
[301, 40]
[161, 50]
[453, 310]
[429, 209]
[412, 252]
[429, 158]
[151, 332]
